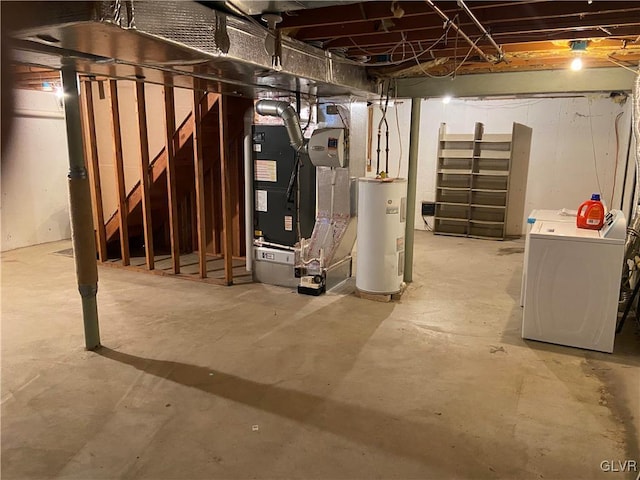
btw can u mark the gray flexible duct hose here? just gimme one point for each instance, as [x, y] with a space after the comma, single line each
[274, 108]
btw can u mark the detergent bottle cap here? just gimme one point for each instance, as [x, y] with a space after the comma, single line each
[595, 196]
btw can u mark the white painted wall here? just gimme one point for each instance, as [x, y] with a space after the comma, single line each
[566, 132]
[34, 207]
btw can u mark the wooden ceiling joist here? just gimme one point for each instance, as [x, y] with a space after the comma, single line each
[559, 14]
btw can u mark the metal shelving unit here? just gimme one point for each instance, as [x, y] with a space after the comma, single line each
[481, 182]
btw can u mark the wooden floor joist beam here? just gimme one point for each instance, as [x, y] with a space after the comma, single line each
[141, 110]
[91, 147]
[170, 128]
[123, 210]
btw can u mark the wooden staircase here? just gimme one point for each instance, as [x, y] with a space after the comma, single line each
[183, 148]
[192, 197]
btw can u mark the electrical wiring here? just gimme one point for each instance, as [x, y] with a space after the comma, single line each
[395, 104]
[342, 119]
[593, 146]
[453, 72]
[636, 71]
[402, 43]
[386, 52]
[615, 169]
[383, 119]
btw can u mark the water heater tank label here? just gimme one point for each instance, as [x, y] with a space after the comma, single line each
[266, 171]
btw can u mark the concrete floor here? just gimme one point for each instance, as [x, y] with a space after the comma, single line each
[255, 381]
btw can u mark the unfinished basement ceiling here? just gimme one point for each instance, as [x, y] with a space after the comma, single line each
[329, 48]
[174, 42]
[422, 38]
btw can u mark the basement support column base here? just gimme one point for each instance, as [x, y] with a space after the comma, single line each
[90, 315]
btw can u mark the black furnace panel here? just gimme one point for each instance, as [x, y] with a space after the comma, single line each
[282, 191]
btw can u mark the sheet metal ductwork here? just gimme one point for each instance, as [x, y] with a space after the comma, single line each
[171, 42]
[290, 118]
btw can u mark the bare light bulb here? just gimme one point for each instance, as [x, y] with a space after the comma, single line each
[59, 92]
[576, 64]
[446, 99]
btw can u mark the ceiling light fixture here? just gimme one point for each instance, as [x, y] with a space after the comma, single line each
[576, 64]
[446, 99]
[578, 47]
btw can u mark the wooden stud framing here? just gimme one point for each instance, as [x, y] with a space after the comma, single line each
[198, 163]
[170, 128]
[227, 212]
[123, 210]
[141, 107]
[91, 147]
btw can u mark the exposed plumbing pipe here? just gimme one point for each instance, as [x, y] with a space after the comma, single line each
[482, 29]
[284, 110]
[448, 22]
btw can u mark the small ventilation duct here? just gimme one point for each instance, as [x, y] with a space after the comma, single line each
[274, 108]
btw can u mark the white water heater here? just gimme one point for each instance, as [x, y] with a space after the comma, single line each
[382, 212]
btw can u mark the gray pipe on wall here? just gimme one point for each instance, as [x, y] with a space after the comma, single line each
[82, 233]
[248, 188]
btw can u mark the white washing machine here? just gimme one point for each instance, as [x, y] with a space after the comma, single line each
[563, 215]
[573, 283]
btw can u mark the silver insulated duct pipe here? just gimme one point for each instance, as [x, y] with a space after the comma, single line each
[274, 108]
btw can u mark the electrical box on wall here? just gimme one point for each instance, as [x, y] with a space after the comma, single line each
[428, 209]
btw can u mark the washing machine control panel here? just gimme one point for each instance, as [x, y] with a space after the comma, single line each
[615, 225]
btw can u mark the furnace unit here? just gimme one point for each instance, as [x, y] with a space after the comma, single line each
[284, 188]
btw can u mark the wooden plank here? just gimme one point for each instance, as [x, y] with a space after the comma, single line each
[226, 198]
[158, 166]
[141, 107]
[233, 162]
[198, 164]
[170, 128]
[209, 192]
[91, 147]
[216, 179]
[123, 211]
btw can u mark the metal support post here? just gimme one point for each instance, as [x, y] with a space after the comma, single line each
[82, 233]
[412, 175]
